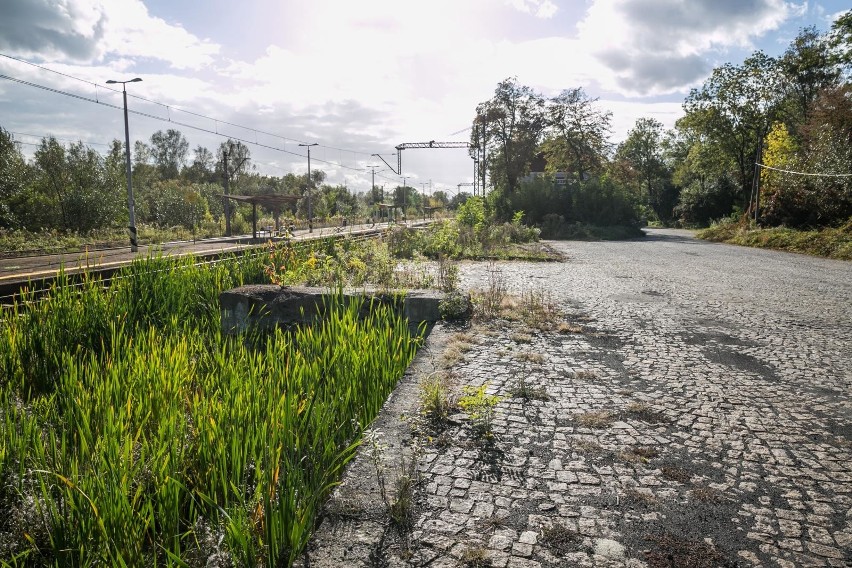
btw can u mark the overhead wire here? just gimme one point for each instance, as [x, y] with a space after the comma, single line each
[179, 123]
[800, 173]
[169, 108]
[168, 119]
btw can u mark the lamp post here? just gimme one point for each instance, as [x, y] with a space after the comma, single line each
[310, 208]
[134, 244]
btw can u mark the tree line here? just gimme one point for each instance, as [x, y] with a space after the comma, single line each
[770, 137]
[75, 189]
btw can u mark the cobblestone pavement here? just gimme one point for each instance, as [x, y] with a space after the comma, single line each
[694, 411]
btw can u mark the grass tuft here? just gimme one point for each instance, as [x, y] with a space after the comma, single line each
[595, 419]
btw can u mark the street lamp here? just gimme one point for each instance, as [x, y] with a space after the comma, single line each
[310, 209]
[134, 245]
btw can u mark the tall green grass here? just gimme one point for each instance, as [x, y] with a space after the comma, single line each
[132, 432]
[830, 242]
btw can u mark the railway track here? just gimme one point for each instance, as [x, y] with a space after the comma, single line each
[32, 275]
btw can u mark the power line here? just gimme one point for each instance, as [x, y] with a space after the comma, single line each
[183, 124]
[56, 138]
[170, 107]
[168, 119]
[801, 173]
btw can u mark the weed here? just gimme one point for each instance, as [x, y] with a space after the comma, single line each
[525, 391]
[475, 557]
[588, 446]
[455, 306]
[673, 473]
[489, 302]
[435, 397]
[522, 338]
[448, 274]
[829, 242]
[399, 503]
[528, 357]
[670, 550]
[595, 419]
[639, 454]
[706, 494]
[401, 508]
[560, 539]
[643, 411]
[566, 327]
[584, 375]
[479, 406]
[140, 424]
[537, 309]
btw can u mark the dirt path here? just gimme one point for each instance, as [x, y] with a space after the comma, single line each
[693, 410]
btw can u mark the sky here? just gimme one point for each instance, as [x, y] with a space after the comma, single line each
[360, 77]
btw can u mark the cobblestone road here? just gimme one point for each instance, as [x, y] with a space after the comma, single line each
[701, 418]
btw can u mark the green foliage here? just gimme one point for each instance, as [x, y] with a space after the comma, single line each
[828, 242]
[577, 140]
[435, 397]
[479, 407]
[472, 213]
[177, 203]
[702, 203]
[600, 202]
[133, 433]
[455, 306]
[513, 120]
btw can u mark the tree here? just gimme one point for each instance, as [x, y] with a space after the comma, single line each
[169, 151]
[459, 199]
[513, 122]
[13, 176]
[840, 40]
[808, 68]
[643, 152]
[232, 164]
[439, 199]
[733, 110]
[80, 189]
[817, 196]
[203, 167]
[578, 134]
[52, 180]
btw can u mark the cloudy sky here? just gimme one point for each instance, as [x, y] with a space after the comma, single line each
[359, 77]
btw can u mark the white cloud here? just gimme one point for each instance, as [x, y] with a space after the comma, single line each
[660, 46]
[95, 30]
[132, 32]
[545, 9]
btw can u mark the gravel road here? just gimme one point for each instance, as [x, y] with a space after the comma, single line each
[701, 418]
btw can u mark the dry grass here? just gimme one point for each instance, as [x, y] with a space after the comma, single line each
[669, 550]
[639, 454]
[560, 539]
[529, 357]
[475, 557]
[643, 498]
[587, 446]
[522, 337]
[584, 375]
[567, 327]
[674, 473]
[704, 494]
[597, 419]
[644, 412]
[457, 346]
